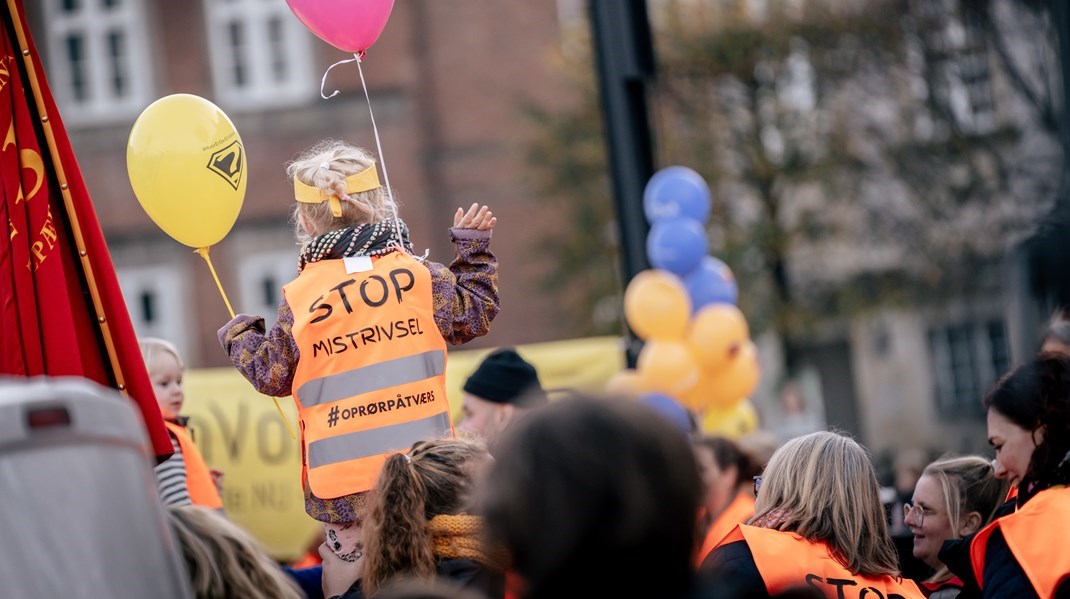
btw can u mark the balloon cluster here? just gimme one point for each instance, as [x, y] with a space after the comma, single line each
[697, 349]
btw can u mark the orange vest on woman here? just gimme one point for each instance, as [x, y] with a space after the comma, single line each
[786, 560]
[738, 511]
[1036, 534]
[202, 490]
[371, 375]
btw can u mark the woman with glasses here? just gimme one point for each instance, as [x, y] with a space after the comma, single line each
[1027, 552]
[818, 524]
[954, 497]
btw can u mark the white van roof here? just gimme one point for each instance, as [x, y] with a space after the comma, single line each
[79, 512]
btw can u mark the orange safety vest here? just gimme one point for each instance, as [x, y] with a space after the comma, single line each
[738, 511]
[371, 378]
[1036, 536]
[786, 560]
[202, 490]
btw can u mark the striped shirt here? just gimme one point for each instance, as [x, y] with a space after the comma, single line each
[171, 477]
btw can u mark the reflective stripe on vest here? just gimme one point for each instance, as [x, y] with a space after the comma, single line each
[202, 491]
[1036, 536]
[376, 377]
[785, 561]
[370, 379]
[362, 444]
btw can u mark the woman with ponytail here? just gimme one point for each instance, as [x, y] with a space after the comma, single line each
[418, 525]
[954, 497]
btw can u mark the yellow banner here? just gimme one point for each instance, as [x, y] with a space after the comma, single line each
[240, 433]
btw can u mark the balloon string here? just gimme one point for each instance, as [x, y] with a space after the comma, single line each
[323, 82]
[203, 252]
[379, 148]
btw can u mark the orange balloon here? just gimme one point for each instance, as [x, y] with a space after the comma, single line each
[697, 398]
[627, 382]
[656, 305]
[733, 422]
[667, 366]
[736, 381]
[717, 333]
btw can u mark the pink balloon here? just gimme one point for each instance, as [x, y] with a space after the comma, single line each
[349, 25]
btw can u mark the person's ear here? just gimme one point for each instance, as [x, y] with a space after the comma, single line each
[733, 472]
[1038, 435]
[971, 522]
[505, 413]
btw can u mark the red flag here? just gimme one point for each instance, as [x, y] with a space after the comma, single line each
[61, 309]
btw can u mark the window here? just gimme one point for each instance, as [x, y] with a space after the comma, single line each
[260, 53]
[958, 68]
[261, 277]
[967, 359]
[154, 298]
[98, 58]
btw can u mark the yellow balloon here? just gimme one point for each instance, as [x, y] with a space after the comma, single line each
[187, 165]
[666, 366]
[737, 380]
[656, 305]
[716, 334]
[627, 382]
[733, 422]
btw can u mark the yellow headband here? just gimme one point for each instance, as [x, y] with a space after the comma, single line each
[365, 180]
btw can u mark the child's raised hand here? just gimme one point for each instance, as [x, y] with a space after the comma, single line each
[479, 218]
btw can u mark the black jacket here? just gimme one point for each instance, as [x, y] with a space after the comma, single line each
[1004, 579]
[466, 573]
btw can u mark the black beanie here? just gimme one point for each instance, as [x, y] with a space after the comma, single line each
[505, 377]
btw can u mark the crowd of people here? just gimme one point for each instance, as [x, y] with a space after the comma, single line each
[588, 495]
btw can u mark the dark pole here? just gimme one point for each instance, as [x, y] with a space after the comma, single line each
[624, 57]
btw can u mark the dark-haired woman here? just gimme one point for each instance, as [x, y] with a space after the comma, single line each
[728, 480]
[1027, 553]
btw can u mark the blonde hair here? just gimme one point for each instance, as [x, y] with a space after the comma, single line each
[968, 484]
[342, 160]
[825, 489]
[434, 479]
[224, 560]
[152, 348]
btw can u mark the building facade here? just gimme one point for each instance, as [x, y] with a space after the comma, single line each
[448, 83]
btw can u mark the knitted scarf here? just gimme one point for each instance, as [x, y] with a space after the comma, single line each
[361, 240]
[459, 537]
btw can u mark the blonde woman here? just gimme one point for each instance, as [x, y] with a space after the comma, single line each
[184, 478]
[954, 497]
[818, 524]
[223, 560]
[361, 335]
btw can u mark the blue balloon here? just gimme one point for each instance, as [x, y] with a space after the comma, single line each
[712, 282]
[676, 414]
[676, 192]
[677, 245]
